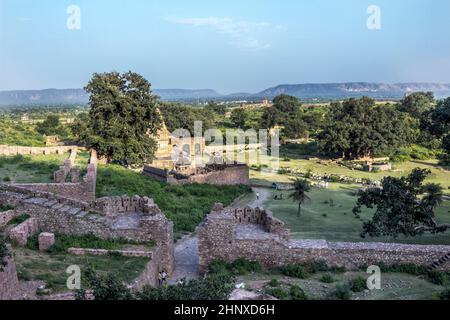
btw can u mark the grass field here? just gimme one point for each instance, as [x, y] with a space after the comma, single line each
[394, 286]
[51, 268]
[328, 215]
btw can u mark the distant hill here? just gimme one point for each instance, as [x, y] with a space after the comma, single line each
[312, 91]
[355, 89]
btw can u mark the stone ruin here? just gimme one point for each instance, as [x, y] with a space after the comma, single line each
[71, 208]
[254, 234]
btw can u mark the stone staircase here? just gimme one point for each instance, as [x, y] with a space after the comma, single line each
[439, 263]
[57, 206]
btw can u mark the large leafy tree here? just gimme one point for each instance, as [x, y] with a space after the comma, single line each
[122, 119]
[220, 109]
[403, 206]
[286, 104]
[417, 103]
[301, 187]
[238, 118]
[50, 126]
[358, 128]
[177, 116]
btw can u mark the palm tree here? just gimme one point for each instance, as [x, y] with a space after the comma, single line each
[301, 186]
[433, 195]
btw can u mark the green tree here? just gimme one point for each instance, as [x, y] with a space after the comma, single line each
[446, 147]
[358, 128]
[417, 103]
[50, 126]
[301, 187]
[294, 128]
[269, 118]
[216, 108]
[286, 104]
[402, 206]
[238, 118]
[122, 119]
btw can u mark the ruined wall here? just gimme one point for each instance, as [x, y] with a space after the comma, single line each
[230, 175]
[77, 191]
[7, 216]
[15, 150]
[223, 237]
[60, 216]
[9, 283]
[19, 234]
[150, 274]
[116, 206]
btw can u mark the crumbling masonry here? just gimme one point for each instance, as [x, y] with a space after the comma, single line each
[254, 234]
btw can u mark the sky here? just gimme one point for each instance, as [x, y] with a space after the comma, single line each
[227, 45]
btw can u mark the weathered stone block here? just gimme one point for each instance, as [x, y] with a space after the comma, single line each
[46, 240]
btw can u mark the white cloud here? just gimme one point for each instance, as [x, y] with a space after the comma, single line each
[243, 34]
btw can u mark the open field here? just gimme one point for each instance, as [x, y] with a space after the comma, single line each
[438, 174]
[328, 215]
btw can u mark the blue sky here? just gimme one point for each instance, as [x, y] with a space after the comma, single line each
[227, 45]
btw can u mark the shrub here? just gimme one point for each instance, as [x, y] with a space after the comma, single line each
[274, 283]
[215, 287]
[6, 179]
[6, 207]
[294, 271]
[4, 253]
[326, 278]
[445, 295]
[238, 267]
[19, 219]
[297, 293]
[342, 292]
[358, 284]
[278, 293]
[437, 277]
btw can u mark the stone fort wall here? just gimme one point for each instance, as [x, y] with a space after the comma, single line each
[224, 235]
[9, 283]
[228, 175]
[16, 150]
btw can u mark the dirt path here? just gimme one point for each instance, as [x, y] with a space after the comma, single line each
[264, 194]
[186, 260]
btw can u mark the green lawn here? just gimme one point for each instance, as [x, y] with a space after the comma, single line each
[438, 174]
[328, 215]
[51, 268]
[394, 286]
[30, 169]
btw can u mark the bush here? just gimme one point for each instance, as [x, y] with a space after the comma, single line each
[445, 295]
[326, 278]
[342, 292]
[297, 293]
[278, 293]
[215, 287]
[274, 283]
[238, 267]
[19, 219]
[294, 271]
[6, 207]
[4, 253]
[358, 284]
[437, 277]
